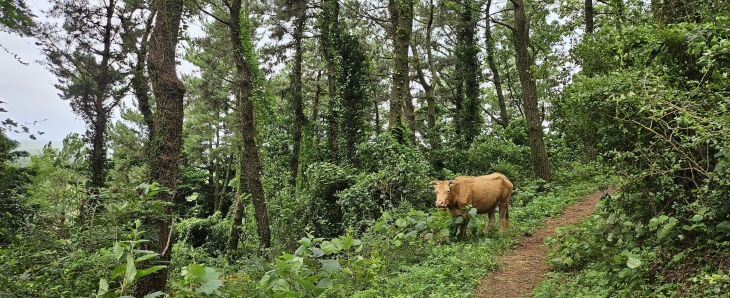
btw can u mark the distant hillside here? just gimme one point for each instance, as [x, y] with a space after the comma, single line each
[35, 147]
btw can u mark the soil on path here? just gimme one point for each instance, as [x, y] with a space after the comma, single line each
[525, 268]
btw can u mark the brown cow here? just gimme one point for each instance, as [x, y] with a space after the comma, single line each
[484, 193]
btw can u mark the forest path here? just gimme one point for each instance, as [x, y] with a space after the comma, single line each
[525, 268]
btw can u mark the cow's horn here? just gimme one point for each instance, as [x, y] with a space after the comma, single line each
[451, 182]
[433, 182]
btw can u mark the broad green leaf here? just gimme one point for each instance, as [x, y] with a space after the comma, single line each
[473, 212]
[568, 261]
[626, 273]
[383, 229]
[401, 223]
[146, 257]
[131, 271]
[338, 243]
[697, 218]
[266, 281]
[148, 271]
[281, 285]
[330, 265]
[472, 224]
[347, 241]
[309, 286]
[329, 248]
[664, 231]
[154, 295]
[325, 283]
[301, 251]
[633, 262]
[724, 226]
[411, 235]
[305, 241]
[316, 252]
[118, 271]
[103, 287]
[194, 273]
[397, 243]
[118, 251]
[458, 220]
[378, 226]
[209, 287]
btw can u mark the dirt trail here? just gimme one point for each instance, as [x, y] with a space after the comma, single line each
[524, 268]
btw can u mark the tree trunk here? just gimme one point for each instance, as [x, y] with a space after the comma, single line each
[490, 45]
[297, 96]
[250, 163]
[589, 16]
[237, 221]
[521, 39]
[590, 150]
[401, 19]
[140, 82]
[169, 91]
[329, 38]
[224, 190]
[98, 150]
[468, 118]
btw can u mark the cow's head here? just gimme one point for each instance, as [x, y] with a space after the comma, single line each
[443, 193]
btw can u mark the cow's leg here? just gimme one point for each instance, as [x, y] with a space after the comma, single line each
[503, 216]
[462, 229]
[491, 222]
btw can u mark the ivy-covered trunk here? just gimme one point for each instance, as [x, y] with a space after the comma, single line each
[329, 38]
[521, 40]
[169, 91]
[297, 96]
[244, 60]
[401, 19]
[468, 118]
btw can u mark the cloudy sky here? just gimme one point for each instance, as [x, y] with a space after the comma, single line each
[28, 91]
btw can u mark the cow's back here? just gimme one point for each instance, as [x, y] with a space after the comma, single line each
[482, 192]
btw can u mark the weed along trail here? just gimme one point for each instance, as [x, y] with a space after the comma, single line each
[524, 268]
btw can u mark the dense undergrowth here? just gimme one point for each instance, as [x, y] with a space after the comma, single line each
[362, 230]
[663, 111]
[411, 253]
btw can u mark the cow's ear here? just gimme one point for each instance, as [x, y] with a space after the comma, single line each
[433, 182]
[451, 182]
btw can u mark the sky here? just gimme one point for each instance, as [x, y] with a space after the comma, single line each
[28, 91]
[29, 94]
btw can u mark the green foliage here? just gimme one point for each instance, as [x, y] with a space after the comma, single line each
[316, 267]
[353, 87]
[209, 234]
[197, 280]
[488, 154]
[653, 98]
[16, 17]
[128, 257]
[390, 174]
[467, 119]
[14, 182]
[37, 266]
[405, 252]
[324, 181]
